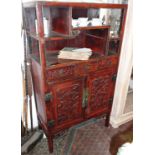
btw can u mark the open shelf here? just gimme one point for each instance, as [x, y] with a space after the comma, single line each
[52, 58]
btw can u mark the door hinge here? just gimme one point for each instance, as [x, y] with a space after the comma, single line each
[85, 98]
[50, 123]
[114, 77]
[111, 100]
[48, 97]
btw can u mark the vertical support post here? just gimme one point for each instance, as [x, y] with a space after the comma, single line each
[39, 12]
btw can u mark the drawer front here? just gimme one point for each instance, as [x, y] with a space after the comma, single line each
[107, 63]
[80, 69]
[60, 73]
[95, 65]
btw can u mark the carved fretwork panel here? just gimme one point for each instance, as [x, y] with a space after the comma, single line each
[99, 86]
[68, 102]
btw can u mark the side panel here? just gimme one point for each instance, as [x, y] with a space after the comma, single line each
[40, 103]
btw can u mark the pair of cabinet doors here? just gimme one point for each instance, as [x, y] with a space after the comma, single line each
[82, 98]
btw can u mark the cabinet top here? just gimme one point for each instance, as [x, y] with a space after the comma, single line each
[95, 4]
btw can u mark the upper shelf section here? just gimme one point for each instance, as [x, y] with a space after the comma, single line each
[65, 20]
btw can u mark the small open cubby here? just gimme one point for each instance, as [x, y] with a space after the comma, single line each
[59, 19]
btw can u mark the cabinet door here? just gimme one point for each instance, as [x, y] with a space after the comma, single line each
[99, 87]
[67, 102]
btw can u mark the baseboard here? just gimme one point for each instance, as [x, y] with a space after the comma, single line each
[116, 122]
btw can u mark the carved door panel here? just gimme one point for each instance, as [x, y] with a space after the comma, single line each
[99, 87]
[67, 100]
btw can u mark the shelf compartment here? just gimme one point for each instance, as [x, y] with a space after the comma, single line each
[59, 19]
[52, 58]
[77, 41]
[114, 46]
[98, 44]
[102, 33]
[99, 38]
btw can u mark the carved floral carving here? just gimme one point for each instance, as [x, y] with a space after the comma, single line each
[68, 102]
[60, 72]
[99, 92]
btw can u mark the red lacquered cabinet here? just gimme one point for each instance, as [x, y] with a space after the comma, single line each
[68, 92]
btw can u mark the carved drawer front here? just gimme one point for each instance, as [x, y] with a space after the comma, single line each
[99, 87]
[107, 62]
[91, 66]
[60, 72]
[67, 100]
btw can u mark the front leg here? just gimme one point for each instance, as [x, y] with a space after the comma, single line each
[107, 119]
[50, 143]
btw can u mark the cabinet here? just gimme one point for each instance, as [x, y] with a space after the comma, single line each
[68, 92]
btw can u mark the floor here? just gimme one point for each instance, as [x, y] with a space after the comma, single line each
[88, 138]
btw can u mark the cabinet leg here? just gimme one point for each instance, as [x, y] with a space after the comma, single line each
[50, 143]
[107, 120]
[39, 127]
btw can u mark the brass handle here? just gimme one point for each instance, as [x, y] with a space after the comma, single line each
[114, 77]
[87, 67]
[48, 97]
[85, 98]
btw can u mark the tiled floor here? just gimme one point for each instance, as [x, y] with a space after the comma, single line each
[88, 138]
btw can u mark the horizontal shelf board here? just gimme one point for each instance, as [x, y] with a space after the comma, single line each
[94, 36]
[114, 38]
[46, 37]
[84, 4]
[91, 27]
[76, 4]
[58, 36]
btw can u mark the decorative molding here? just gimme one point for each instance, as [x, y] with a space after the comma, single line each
[116, 122]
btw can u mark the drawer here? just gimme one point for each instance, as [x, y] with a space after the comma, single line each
[60, 72]
[107, 62]
[84, 68]
[92, 66]
[80, 69]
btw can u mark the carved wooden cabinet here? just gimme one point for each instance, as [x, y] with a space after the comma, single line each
[68, 92]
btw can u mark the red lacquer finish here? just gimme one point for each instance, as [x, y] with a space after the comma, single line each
[68, 92]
